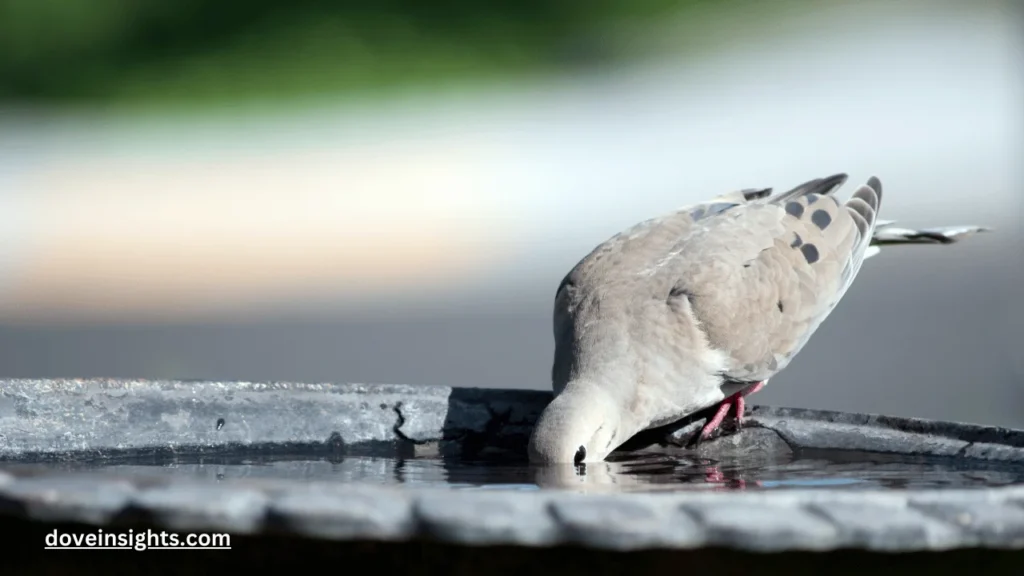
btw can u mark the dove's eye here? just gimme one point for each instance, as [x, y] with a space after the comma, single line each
[581, 453]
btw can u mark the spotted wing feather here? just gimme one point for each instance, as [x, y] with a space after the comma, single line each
[763, 277]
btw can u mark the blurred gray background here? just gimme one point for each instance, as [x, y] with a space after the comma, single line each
[314, 194]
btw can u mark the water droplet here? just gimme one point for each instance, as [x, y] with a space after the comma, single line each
[220, 423]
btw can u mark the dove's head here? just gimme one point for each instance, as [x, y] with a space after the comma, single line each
[582, 424]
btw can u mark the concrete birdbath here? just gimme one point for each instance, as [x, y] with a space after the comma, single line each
[375, 470]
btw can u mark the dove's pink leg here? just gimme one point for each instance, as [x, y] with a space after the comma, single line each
[741, 403]
[717, 419]
[737, 401]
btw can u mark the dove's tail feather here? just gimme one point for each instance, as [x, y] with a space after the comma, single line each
[819, 186]
[751, 194]
[886, 234]
[843, 230]
[863, 207]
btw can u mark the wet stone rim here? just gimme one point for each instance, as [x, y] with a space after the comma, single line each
[62, 420]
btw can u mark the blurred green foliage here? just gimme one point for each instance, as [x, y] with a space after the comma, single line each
[200, 50]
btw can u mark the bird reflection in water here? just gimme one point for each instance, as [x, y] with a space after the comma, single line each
[645, 472]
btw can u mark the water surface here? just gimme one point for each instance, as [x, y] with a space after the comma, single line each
[644, 472]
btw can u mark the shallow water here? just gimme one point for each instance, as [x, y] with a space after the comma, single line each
[648, 472]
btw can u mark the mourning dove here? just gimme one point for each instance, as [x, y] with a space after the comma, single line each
[700, 307]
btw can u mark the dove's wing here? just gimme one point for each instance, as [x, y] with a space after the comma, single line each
[762, 275]
[760, 272]
[623, 263]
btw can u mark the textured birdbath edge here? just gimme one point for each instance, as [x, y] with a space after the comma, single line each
[60, 420]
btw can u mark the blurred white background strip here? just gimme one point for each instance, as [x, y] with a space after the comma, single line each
[182, 219]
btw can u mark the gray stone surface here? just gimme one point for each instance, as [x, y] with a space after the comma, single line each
[879, 526]
[68, 498]
[487, 518]
[763, 527]
[77, 418]
[625, 523]
[202, 507]
[835, 433]
[343, 512]
[752, 443]
[769, 521]
[65, 421]
[991, 451]
[990, 524]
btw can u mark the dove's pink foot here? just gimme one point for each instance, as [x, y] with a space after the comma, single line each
[735, 401]
[713, 475]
